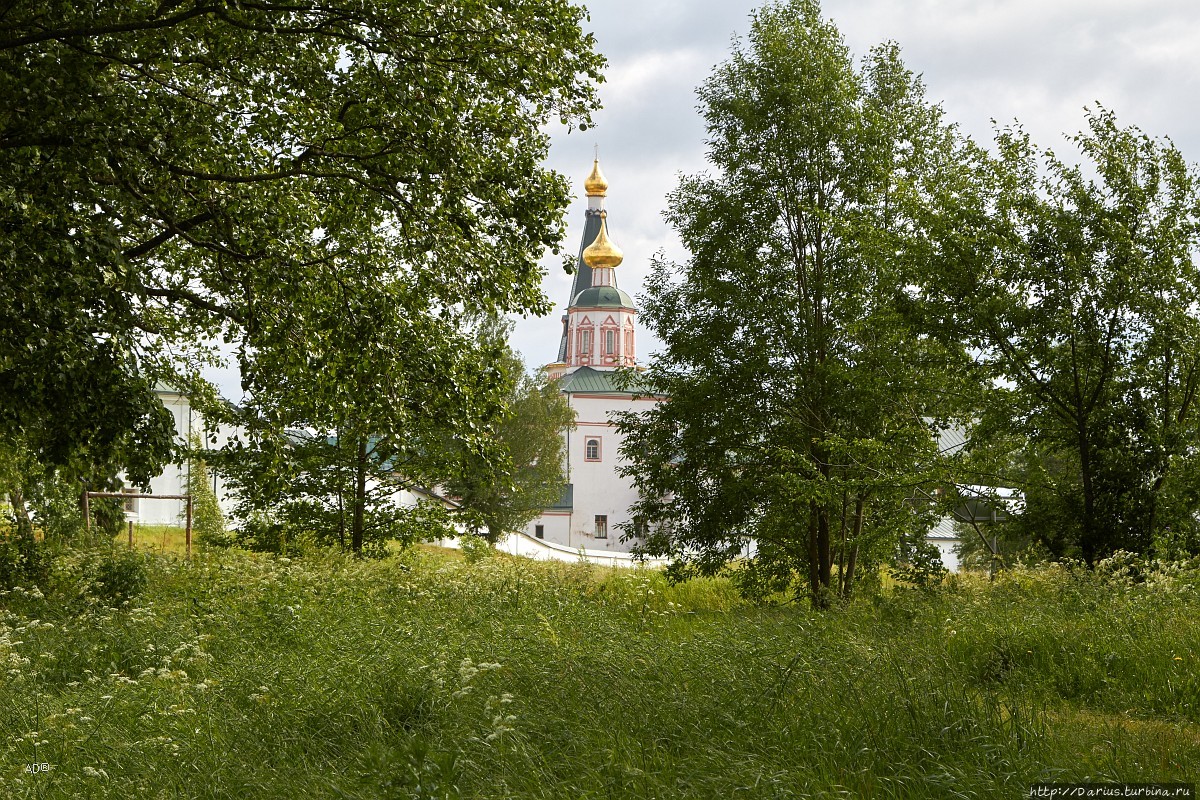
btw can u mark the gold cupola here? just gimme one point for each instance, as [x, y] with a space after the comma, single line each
[602, 253]
[595, 185]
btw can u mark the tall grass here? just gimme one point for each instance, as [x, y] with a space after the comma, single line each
[426, 676]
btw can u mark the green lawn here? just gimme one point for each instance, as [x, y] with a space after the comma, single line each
[424, 676]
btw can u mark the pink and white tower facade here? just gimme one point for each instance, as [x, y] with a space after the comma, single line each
[598, 338]
[599, 326]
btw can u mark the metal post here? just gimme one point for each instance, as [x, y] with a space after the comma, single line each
[87, 510]
[188, 534]
[130, 534]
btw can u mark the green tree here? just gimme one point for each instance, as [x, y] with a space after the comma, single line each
[522, 473]
[800, 394]
[1077, 287]
[178, 173]
[208, 520]
[362, 414]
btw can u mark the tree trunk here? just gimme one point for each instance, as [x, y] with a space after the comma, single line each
[841, 551]
[360, 497]
[860, 512]
[814, 564]
[824, 549]
[16, 498]
[1089, 540]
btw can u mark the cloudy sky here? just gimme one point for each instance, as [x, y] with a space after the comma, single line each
[1036, 61]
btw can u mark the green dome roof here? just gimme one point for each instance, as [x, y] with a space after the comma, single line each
[602, 297]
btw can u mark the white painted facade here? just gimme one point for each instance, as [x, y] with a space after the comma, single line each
[599, 336]
[174, 479]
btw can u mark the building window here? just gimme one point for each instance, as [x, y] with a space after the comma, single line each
[585, 343]
[539, 531]
[639, 527]
[131, 502]
[601, 526]
[591, 449]
[610, 342]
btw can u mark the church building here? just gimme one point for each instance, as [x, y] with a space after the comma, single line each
[598, 338]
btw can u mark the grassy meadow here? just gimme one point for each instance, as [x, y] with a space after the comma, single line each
[425, 676]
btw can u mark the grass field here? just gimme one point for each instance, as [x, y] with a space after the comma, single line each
[424, 676]
[161, 539]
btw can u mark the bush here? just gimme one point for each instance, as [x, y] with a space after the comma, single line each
[119, 576]
[207, 519]
[24, 561]
[475, 548]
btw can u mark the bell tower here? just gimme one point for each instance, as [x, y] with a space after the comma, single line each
[598, 328]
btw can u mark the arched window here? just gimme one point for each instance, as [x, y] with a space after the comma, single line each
[591, 449]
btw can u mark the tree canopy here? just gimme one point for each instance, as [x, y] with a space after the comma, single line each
[1076, 285]
[522, 471]
[264, 174]
[801, 398]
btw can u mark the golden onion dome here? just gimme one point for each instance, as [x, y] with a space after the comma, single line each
[602, 252]
[595, 185]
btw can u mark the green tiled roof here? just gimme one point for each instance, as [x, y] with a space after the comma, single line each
[597, 381]
[602, 297]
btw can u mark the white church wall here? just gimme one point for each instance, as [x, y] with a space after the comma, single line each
[597, 488]
[174, 479]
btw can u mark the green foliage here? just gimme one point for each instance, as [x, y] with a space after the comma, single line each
[24, 561]
[803, 397]
[475, 548]
[263, 534]
[292, 180]
[331, 490]
[118, 576]
[521, 472]
[424, 675]
[208, 521]
[1076, 286]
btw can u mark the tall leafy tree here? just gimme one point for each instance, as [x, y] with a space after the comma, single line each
[503, 487]
[801, 397]
[198, 170]
[365, 413]
[1077, 285]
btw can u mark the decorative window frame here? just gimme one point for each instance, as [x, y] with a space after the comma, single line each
[585, 343]
[587, 443]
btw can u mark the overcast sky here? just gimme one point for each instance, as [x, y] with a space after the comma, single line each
[1036, 61]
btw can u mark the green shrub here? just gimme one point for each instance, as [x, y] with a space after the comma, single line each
[24, 561]
[475, 548]
[208, 522]
[118, 576]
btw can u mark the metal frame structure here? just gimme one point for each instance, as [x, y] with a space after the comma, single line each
[87, 511]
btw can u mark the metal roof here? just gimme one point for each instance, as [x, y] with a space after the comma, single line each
[602, 297]
[586, 379]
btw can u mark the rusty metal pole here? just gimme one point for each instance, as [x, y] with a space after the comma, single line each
[188, 534]
[130, 534]
[87, 510]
